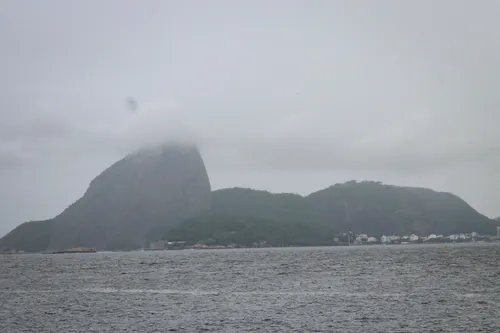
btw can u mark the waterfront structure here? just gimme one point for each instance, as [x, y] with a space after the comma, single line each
[158, 245]
[413, 238]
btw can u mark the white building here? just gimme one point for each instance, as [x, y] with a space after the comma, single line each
[358, 240]
[394, 238]
[389, 239]
[372, 240]
[413, 238]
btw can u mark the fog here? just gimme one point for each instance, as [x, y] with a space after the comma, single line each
[287, 96]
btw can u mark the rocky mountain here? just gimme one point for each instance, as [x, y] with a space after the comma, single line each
[165, 192]
[363, 207]
[152, 187]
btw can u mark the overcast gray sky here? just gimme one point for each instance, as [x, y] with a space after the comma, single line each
[288, 96]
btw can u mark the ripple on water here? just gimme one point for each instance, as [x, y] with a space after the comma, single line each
[375, 289]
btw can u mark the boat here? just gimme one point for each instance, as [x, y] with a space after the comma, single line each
[77, 250]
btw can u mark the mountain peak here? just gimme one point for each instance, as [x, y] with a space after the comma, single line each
[153, 187]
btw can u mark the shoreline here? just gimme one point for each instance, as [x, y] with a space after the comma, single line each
[479, 243]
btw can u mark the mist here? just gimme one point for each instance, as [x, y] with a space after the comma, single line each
[287, 96]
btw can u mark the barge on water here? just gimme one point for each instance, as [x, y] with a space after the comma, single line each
[77, 250]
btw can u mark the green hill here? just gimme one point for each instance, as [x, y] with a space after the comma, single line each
[376, 208]
[244, 216]
[263, 204]
[363, 207]
[29, 237]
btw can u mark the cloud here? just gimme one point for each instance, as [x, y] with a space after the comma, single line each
[38, 136]
[415, 140]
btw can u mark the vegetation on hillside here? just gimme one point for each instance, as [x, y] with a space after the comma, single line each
[363, 207]
[263, 204]
[245, 216]
[244, 230]
[29, 237]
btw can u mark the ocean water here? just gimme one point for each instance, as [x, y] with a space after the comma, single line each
[339, 289]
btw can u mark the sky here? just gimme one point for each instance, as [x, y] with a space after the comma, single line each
[281, 95]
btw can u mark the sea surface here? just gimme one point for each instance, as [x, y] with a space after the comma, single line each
[338, 289]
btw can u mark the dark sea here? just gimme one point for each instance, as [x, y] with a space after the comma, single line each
[339, 289]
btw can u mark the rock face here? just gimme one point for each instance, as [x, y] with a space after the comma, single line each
[153, 187]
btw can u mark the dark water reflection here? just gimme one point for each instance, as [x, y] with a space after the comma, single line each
[356, 289]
